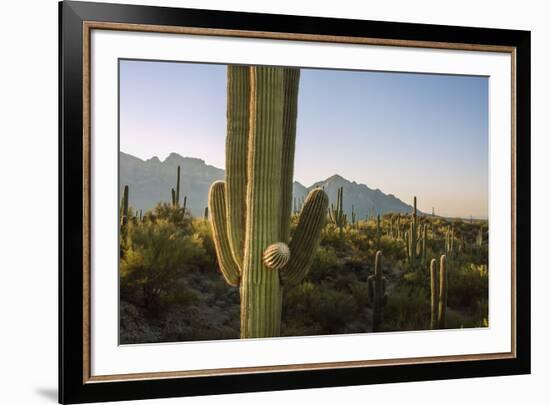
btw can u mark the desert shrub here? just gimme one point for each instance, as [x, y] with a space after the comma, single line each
[359, 292]
[203, 232]
[394, 249]
[157, 256]
[299, 306]
[467, 284]
[317, 309]
[325, 264]
[175, 215]
[335, 310]
[407, 309]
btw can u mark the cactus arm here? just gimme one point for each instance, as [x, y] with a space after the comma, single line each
[291, 79]
[236, 151]
[306, 237]
[216, 202]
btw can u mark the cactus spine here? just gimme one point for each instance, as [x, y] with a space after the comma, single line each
[336, 213]
[250, 211]
[377, 292]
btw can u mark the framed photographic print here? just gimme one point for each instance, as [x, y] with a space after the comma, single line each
[259, 202]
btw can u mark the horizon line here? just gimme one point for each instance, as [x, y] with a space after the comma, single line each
[144, 160]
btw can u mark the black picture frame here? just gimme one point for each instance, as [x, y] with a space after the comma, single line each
[72, 385]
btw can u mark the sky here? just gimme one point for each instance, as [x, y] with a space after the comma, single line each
[404, 133]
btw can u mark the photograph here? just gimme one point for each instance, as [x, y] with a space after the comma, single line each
[283, 201]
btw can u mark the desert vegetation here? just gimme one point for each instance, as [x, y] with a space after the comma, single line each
[259, 263]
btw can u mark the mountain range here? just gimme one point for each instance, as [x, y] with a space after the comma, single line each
[150, 181]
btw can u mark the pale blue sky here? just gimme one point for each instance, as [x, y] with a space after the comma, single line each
[407, 134]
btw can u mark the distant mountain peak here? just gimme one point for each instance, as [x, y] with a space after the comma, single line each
[336, 177]
[173, 156]
[150, 182]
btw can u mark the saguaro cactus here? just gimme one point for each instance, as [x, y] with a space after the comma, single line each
[434, 289]
[438, 287]
[449, 241]
[206, 213]
[336, 213]
[250, 212]
[398, 226]
[479, 237]
[424, 243]
[124, 219]
[412, 238]
[377, 292]
[124, 216]
[378, 231]
[176, 192]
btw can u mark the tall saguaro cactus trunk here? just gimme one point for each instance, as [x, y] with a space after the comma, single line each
[377, 292]
[250, 212]
[438, 287]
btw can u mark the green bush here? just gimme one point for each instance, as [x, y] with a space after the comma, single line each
[157, 256]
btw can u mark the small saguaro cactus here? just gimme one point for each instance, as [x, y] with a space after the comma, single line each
[184, 206]
[378, 231]
[353, 218]
[449, 241]
[376, 284]
[412, 237]
[206, 213]
[176, 192]
[442, 291]
[124, 219]
[479, 237]
[438, 287]
[434, 294]
[398, 226]
[250, 211]
[336, 213]
[424, 242]
[124, 216]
